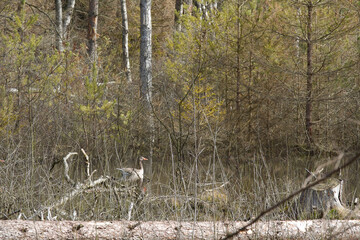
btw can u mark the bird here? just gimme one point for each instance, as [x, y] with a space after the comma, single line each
[133, 174]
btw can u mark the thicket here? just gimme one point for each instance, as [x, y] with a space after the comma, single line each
[229, 100]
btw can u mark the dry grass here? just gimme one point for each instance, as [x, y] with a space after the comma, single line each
[237, 193]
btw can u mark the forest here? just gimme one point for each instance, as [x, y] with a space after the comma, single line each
[234, 104]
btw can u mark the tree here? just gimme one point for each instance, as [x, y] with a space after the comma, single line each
[309, 73]
[146, 68]
[62, 23]
[315, 43]
[125, 40]
[59, 30]
[92, 30]
[67, 18]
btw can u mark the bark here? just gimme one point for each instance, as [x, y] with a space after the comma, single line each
[309, 76]
[67, 18]
[145, 51]
[179, 7]
[125, 41]
[59, 26]
[249, 97]
[62, 23]
[92, 30]
[146, 70]
[238, 58]
[314, 229]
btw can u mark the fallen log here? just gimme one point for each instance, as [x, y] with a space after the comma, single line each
[310, 229]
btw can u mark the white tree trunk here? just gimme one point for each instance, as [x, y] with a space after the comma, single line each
[62, 24]
[145, 51]
[92, 29]
[59, 26]
[67, 19]
[145, 69]
[125, 41]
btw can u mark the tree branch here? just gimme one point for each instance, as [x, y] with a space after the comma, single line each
[66, 168]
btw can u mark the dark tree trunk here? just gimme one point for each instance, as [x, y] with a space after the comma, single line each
[309, 76]
[238, 58]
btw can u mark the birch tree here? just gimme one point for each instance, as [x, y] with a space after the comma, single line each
[62, 23]
[67, 18]
[92, 30]
[58, 22]
[125, 40]
[145, 68]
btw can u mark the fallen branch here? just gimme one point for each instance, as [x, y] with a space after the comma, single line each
[87, 163]
[244, 228]
[66, 167]
[78, 187]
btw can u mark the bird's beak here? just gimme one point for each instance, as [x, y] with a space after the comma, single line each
[145, 158]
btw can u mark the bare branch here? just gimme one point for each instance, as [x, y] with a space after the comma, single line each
[87, 163]
[66, 167]
[41, 11]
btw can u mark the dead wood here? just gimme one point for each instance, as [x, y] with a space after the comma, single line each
[311, 229]
[78, 188]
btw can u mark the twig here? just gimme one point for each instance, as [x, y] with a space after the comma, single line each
[230, 235]
[47, 15]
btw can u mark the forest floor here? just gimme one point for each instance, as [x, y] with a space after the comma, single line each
[309, 229]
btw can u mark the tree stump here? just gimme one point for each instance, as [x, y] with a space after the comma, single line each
[324, 201]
